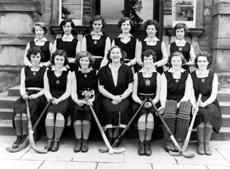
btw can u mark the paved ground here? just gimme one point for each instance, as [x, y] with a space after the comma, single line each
[65, 158]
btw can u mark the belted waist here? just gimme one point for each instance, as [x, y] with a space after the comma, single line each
[33, 88]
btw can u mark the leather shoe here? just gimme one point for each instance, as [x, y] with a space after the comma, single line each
[148, 149]
[84, 147]
[77, 147]
[17, 142]
[141, 148]
[49, 144]
[55, 145]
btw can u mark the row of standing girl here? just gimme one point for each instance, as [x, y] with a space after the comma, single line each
[115, 84]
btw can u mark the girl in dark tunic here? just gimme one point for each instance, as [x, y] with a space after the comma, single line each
[57, 85]
[84, 86]
[68, 42]
[31, 88]
[176, 86]
[180, 45]
[115, 84]
[209, 118]
[146, 85]
[97, 43]
[153, 43]
[40, 29]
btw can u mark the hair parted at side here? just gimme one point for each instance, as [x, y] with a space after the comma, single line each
[176, 54]
[34, 51]
[204, 54]
[148, 53]
[59, 52]
[124, 19]
[181, 25]
[66, 21]
[123, 54]
[97, 18]
[42, 25]
[83, 54]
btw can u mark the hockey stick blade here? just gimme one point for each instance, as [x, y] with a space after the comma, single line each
[116, 151]
[33, 146]
[178, 153]
[19, 148]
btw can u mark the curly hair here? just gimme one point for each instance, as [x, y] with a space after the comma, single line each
[83, 54]
[204, 54]
[151, 22]
[124, 19]
[97, 18]
[42, 25]
[123, 54]
[148, 53]
[59, 52]
[176, 54]
[181, 25]
[34, 51]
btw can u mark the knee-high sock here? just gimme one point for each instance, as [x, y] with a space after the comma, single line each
[18, 124]
[59, 126]
[200, 133]
[183, 119]
[141, 125]
[149, 127]
[24, 124]
[86, 129]
[49, 123]
[207, 132]
[169, 117]
[78, 129]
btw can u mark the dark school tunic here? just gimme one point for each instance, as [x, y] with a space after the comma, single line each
[115, 115]
[45, 50]
[85, 82]
[210, 113]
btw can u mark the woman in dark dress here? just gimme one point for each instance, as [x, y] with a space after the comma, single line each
[31, 88]
[151, 42]
[97, 43]
[176, 86]
[209, 118]
[40, 29]
[84, 86]
[57, 85]
[115, 84]
[180, 45]
[68, 42]
[146, 85]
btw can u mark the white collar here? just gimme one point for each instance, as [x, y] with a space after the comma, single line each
[173, 71]
[151, 71]
[180, 42]
[151, 40]
[40, 65]
[67, 37]
[90, 69]
[93, 33]
[40, 40]
[122, 36]
[63, 68]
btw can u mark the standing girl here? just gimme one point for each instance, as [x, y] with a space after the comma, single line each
[57, 84]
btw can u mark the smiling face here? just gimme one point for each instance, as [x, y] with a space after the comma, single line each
[180, 33]
[176, 62]
[59, 61]
[35, 59]
[126, 26]
[115, 55]
[148, 61]
[84, 62]
[202, 63]
[67, 28]
[151, 30]
[97, 26]
[39, 32]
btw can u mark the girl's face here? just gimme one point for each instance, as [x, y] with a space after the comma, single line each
[59, 61]
[35, 59]
[39, 32]
[151, 30]
[126, 27]
[84, 62]
[180, 33]
[115, 55]
[202, 62]
[148, 61]
[67, 28]
[176, 62]
[97, 26]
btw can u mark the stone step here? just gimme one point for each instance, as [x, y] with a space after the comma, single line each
[6, 114]
[14, 91]
[7, 101]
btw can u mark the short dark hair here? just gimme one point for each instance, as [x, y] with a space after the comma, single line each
[124, 19]
[61, 53]
[148, 53]
[151, 22]
[204, 54]
[34, 51]
[66, 21]
[123, 53]
[42, 25]
[176, 54]
[83, 54]
[97, 18]
[181, 25]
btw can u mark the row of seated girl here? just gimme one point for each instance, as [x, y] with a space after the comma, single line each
[175, 90]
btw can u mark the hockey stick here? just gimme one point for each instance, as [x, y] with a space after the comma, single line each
[171, 135]
[26, 141]
[110, 148]
[125, 130]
